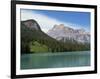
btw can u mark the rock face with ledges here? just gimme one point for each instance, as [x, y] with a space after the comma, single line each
[61, 32]
[32, 24]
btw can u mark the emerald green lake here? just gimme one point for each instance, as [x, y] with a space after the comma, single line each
[55, 60]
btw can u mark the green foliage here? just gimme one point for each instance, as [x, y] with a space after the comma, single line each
[37, 47]
[37, 41]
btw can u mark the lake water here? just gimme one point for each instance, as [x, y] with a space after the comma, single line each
[55, 60]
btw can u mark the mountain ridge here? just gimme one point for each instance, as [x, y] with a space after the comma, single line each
[32, 24]
[34, 40]
[60, 31]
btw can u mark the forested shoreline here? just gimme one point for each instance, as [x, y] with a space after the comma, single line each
[36, 41]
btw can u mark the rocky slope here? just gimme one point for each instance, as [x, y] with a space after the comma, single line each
[32, 37]
[61, 32]
[34, 40]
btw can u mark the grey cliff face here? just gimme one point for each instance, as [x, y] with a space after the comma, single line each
[32, 24]
[60, 32]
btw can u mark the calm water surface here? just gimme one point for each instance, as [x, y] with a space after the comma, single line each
[55, 60]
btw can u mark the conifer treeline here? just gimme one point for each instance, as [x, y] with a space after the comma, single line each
[30, 36]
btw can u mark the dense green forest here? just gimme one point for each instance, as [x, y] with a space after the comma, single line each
[35, 41]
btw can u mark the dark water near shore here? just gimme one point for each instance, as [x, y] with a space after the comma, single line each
[55, 60]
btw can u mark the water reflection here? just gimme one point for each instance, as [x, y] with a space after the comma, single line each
[55, 60]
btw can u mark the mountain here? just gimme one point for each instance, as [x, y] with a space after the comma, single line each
[32, 24]
[61, 32]
[34, 40]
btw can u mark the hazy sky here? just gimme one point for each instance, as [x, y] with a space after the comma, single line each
[47, 19]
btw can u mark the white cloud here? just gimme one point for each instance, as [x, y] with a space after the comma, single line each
[44, 21]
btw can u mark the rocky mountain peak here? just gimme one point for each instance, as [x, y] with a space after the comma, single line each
[58, 27]
[31, 24]
[60, 31]
[63, 27]
[81, 31]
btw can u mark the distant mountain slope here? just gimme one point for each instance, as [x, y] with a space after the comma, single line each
[34, 40]
[31, 33]
[61, 32]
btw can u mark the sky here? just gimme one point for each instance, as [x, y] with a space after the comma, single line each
[48, 18]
